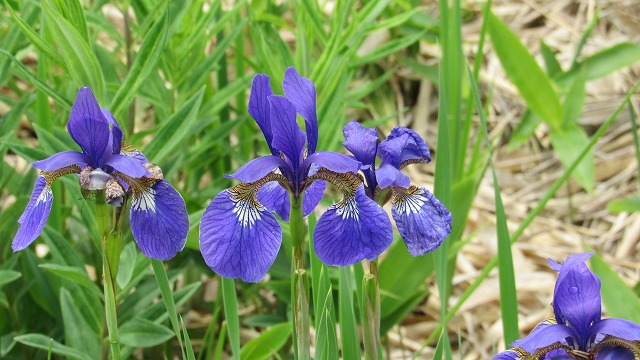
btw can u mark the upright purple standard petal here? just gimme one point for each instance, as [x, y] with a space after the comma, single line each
[361, 142]
[259, 107]
[414, 148]
[89, 128]
[159, 221]
[576, 300]
[421, 218]
[302, 94]
[116, 131]
[35, 215]
[239, 238]
[287, 135]
[352, 230]
[62, 159]
[258, 168]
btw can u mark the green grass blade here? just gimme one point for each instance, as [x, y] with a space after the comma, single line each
[550, 61]
[619, 300]
[231, 315]
[346, 311]
[522, 69]
[167, 297]
[605, 62]
[46, 343]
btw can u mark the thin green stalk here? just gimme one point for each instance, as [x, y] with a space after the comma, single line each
[371, 316]
[300, 278]
[110, 266]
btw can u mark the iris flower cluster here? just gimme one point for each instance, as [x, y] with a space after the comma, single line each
[577, 330]
[240, 237]
[158, 216]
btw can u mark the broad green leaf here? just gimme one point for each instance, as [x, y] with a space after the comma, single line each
[143, 333]
[574, 100]
[550, 60]
[144, 63]
[77, 331]
[524, 130]
[568, 143]
[78, 276]
[629, 204]
[267, 343]
[346, 311]
[605, 62]
[81, 63]
[43, 342]
[7, 276]
[619, 300]
[522, 69]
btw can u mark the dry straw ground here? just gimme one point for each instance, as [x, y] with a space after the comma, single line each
[573, 218]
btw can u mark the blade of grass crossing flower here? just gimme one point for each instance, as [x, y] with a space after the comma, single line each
[557, 184]
[187, 341]
[144, 63]
[348, 326]
[81, 62]
[508, 295]
[167, 297]
[267, 343]
[231, 315]
[522, 69]
[619, 300]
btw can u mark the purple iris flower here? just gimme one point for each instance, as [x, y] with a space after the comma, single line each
[577, 330]
[240, 237]
[422, 220]
[158, 217]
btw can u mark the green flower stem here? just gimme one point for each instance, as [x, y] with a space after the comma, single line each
[300, 295]
[371, 314]
[111, 247]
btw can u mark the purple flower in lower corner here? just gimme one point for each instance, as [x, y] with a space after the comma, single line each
[158, 217]
[240, 237]
[422, 220]
[577, 331]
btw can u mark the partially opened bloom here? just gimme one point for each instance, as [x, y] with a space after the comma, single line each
[577, 331]
[422, 220]
[159, 219]
[240, 237]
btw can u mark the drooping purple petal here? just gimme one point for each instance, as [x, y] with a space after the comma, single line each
[387, 175]
[258, 168]
[422, 220]
[507, 355]
[352, 230]
[390, 150]
[259, 107]
[621, 328]
[576, 298]
[239, 239]
[116, 131]
[130, 151]
[35, 215]
[361, 142]
[543, 336]
[275, 198]
[89, 128]
[62, 159]
[558, 354]
[159, 221]
[302, 94]
[127, 165]
[614, 353]
[312, 196]
[287, 135]
[333, 161]
[415, 148]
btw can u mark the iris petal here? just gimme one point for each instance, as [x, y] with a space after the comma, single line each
[614, 353]
[287, 135]
[159, 221]
[421, 218]
[352, 230]
[62, 159]
[259, 106]
[35, 215]
[361, 142]
[275, 198]
[543, 336]
[127, 165]
[507, 355]
[387, 175]
[89, 128]
[116, 131]
[312, 196]
[620, 328]
[258, 168]
[302, 94]
[239, 238]
[333, 161]
[415, 149]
